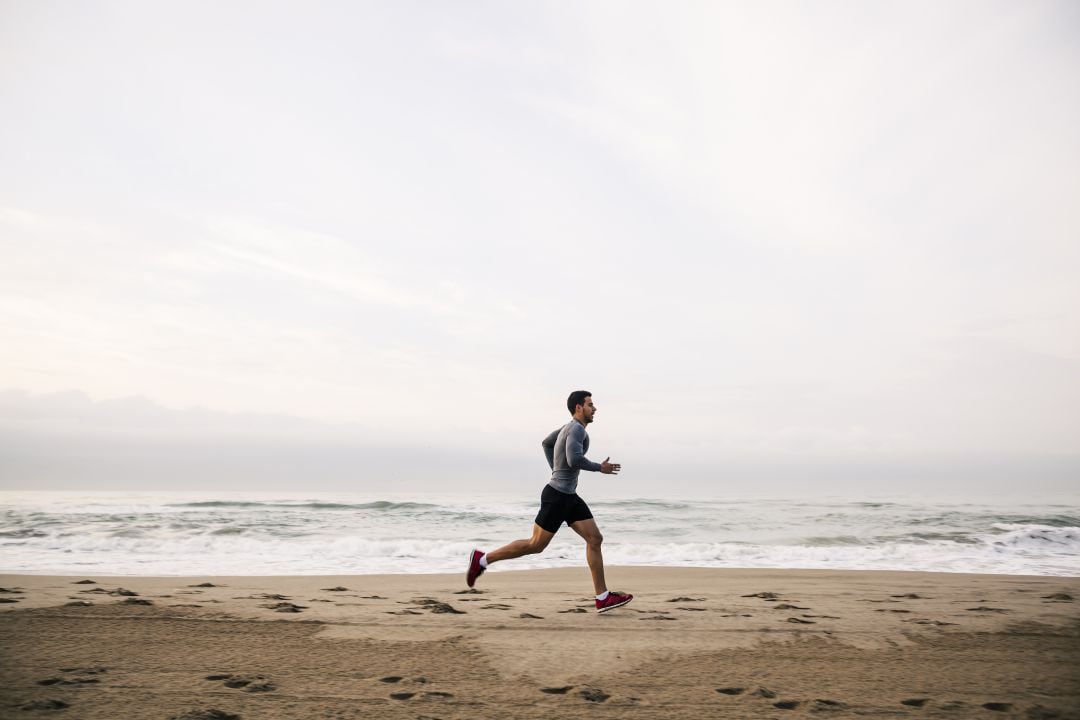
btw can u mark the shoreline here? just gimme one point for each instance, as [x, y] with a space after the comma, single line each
[695, 642]
[498, 570]
[508, 568]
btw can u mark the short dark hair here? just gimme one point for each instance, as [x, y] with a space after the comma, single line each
[577, 398]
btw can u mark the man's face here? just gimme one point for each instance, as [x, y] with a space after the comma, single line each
[588, 410]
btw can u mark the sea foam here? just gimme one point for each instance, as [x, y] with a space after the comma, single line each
[271, 534]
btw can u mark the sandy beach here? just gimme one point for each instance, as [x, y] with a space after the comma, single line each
[528, 644]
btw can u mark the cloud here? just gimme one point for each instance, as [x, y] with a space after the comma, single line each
[843, 232]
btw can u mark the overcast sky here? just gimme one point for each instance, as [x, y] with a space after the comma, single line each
[364, 246]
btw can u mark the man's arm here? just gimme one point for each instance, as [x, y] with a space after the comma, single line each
[549, 447]
[575, 450]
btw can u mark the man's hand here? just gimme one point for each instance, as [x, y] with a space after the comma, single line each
[610, 468]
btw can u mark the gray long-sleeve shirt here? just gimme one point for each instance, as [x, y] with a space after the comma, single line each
[565, 449]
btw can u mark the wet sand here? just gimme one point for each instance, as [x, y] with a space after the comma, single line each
[695, 643]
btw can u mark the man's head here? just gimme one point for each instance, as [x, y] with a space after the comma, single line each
[581, 406]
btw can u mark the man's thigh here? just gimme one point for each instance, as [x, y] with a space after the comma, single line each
[541, 537]
[587, 529]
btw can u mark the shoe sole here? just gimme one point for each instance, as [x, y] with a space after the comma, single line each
[468, 571]
[612, 607]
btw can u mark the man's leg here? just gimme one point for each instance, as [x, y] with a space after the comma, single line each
[593, 539]
[539, 540]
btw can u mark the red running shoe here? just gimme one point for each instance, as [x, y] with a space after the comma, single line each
[612, 601]
[475, 568]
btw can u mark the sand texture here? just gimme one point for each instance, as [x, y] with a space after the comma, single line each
[695, 643]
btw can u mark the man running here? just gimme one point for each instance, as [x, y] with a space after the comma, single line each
[565, 449]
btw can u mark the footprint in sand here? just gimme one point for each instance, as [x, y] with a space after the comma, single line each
[103, 591]
[574, 610]
[1058, 597]
[287, 607]
[915, 702]
[402, 695]
[997, 706]
[529, 616]
[390, 679]
[68, 681]
[593, 695]
[497, 606]
[827, 705]
[983, 608]
[256, 684]
[687, 599]
[764, 693]
[437, 606]
[557, 690]
[135, 601]
[786, 704]
[206, 584]
[263, 596]
[85, 582]
[909, 596]
[97, 670]
[892, 610]
[249, 683]
[211, 714]
[800, 621]
[731, 690]
[470, 591]
[692, 609]
[763, 595]
[44, 705]
[339, 588]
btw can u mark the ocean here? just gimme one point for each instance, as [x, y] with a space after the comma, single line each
[228, 533]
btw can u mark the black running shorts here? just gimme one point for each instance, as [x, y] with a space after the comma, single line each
[557, 508]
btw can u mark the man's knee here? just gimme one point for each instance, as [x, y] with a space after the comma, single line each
[595, 539]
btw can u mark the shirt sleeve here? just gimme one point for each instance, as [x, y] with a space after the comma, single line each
[575, 451]
[549, 447]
